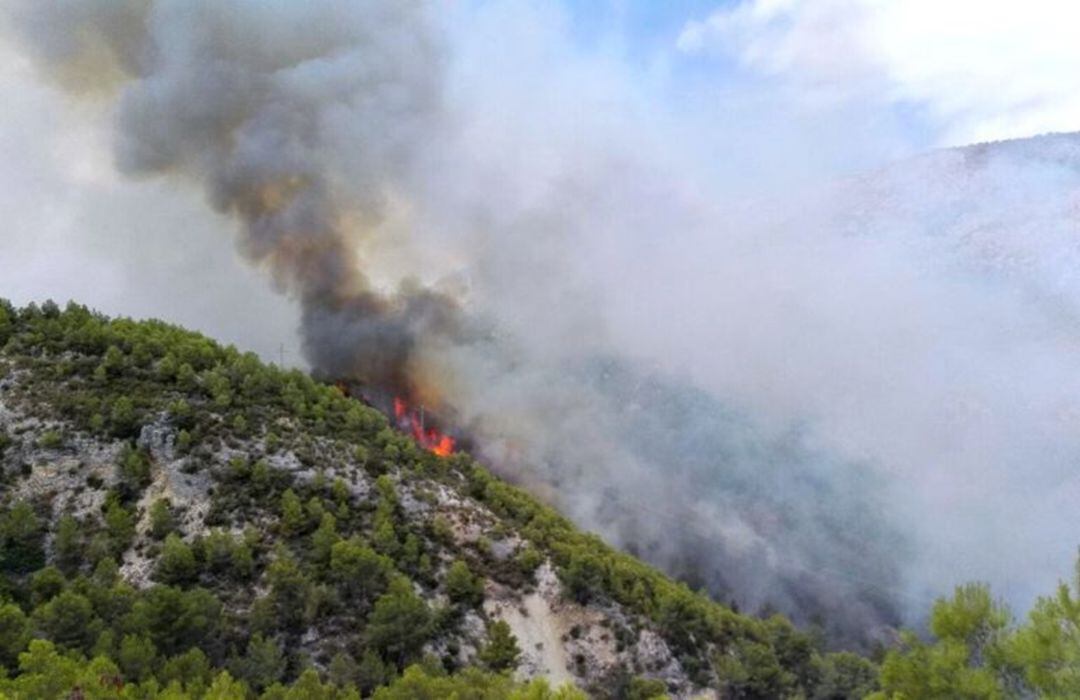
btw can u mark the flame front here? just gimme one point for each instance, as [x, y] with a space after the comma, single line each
[411, 421]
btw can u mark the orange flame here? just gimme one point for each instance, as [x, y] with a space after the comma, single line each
[412, 421]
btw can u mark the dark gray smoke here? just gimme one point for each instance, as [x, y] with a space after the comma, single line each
[301, 121]
[758, 398]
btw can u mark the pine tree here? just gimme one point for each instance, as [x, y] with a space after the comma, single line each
[67, 545]
[360, 572]
[323, 540]
[161, 519]
[501, 652]
[177, 562]
[462, 586]
[400, 622]
[21, 539]
[14, 634]
[292, 513]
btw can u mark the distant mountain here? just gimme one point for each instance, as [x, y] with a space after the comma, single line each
[1008, 208]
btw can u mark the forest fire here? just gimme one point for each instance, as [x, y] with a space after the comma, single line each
[411, 420]
[414, 421]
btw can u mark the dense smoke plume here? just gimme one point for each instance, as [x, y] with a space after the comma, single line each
[302, 122]
[769, 399]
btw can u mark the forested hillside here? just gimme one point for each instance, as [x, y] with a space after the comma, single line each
[180, 520]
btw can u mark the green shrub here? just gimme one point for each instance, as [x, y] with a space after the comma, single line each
[22, 536]
[501, 653]
[51, 440]
[177, 562]
[462, 587]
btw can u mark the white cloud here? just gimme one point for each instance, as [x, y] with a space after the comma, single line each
[980, 70]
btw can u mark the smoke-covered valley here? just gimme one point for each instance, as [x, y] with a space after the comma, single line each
[838, 399]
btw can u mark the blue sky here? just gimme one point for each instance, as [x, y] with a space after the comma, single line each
[929, 73]
[642, 23]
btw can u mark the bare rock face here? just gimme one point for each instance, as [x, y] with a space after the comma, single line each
[72, 475]
[539, 630]
[565, 641]
[159, 439]
[657, 660]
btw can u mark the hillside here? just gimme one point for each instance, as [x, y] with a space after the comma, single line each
[179, 515]
[179, 520]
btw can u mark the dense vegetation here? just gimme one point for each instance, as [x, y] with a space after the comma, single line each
[300, 582]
